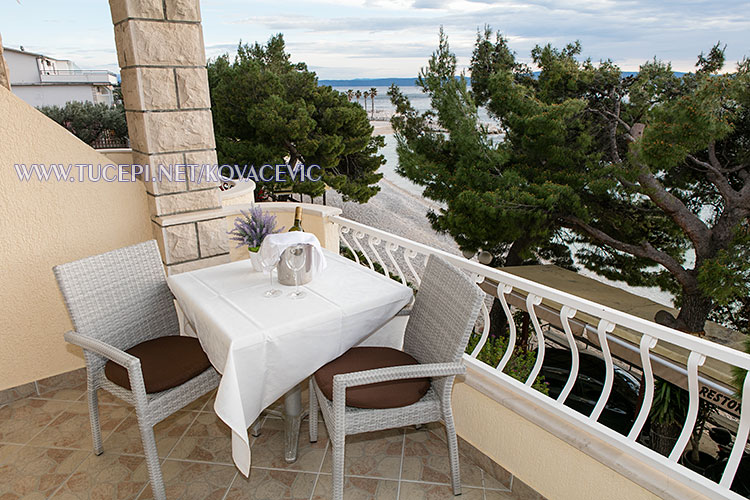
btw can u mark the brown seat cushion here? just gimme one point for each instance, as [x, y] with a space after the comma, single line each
[392, 394]
[166, 362]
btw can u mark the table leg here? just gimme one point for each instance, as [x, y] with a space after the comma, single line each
[292, 419]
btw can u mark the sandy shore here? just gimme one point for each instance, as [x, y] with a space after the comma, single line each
[395, 210]
[381, 128]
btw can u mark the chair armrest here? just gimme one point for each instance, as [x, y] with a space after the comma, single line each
[353, 379]
[122, 358]
[97, 346]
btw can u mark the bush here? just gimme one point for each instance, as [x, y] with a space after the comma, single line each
[88, 121]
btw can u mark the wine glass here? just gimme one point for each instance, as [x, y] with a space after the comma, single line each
[295, 259]
[271, 292]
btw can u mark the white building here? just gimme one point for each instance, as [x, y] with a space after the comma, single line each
[44, 81]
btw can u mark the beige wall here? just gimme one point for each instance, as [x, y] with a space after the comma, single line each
[44, 224]
[549, 465]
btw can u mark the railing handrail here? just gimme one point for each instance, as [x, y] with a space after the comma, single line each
[684, 340]
[570, 305]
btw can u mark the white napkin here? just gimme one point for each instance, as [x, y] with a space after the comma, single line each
[274, 245]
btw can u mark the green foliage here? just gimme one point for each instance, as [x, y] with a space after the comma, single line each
[670, 403]
[266, 108]
[87, 120]
[519, 365]
[740, 374]
[644, 177]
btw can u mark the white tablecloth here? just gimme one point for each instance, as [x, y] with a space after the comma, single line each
[264, 347]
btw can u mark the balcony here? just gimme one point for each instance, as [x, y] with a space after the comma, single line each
[78, 76]
[517, 443]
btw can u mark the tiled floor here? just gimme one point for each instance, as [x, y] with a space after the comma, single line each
[45, 452]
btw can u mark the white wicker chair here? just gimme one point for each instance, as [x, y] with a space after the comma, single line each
[437, 332]
[116, 300]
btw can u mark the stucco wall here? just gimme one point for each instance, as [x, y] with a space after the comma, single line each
[44, 224]
[549, 465]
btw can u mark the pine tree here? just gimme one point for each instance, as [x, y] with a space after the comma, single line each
[266, 108]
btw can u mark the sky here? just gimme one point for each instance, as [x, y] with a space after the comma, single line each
[342, 39]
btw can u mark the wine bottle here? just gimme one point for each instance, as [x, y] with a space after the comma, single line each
[297, 220]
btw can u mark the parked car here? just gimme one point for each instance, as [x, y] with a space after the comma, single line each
[622, 406]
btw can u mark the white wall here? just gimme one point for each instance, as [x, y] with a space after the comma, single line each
[53, 95]
[22, 67]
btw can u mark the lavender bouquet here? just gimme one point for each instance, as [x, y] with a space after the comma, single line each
[251, 228]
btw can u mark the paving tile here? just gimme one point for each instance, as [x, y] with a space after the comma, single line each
[357, 488]
[29, 472]
[112, 476]
[126, 439]
[499, 495]
[69, 380]
[268, 448]
[265, 484]
[194, 481]
[76, 393]
[426, 459]
[371, 454]
[72, 427]
[208, 439]
[425, 491]
[18, 392]
[23, 419]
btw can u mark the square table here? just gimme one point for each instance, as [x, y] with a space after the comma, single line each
[264, 347]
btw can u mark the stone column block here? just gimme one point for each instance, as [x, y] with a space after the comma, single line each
[212, 237]
[169, 204]
[149, 89]
[192, 88]
[201, 158]
[143, 9]
[179, 131]
[171, 178]
[183, 10]
[178, 243]
[152, 43]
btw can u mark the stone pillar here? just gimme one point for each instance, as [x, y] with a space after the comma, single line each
[165, 90]
[4, 74]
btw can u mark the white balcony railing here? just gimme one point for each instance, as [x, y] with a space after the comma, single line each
[404, 259]
[77, 76]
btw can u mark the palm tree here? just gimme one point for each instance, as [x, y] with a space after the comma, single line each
[373, 93]
[350, 94]
[358, 94]
[365, 94]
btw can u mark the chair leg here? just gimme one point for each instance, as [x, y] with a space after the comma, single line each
[450, 431]
[152, 459]
[338, 466]
[96, 430]
[255, 428]
[313, 413]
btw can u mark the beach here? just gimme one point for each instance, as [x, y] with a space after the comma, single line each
[398, 208]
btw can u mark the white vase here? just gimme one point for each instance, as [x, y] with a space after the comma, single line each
[255, 261]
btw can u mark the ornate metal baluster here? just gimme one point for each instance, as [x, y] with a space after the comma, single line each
[389, 248]
[647, 343]
[345, 230]
[602, 330]
[358, 235]
[372, 241]
[694, 361]
[566, 314]
[531, 301]
[502, 291]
